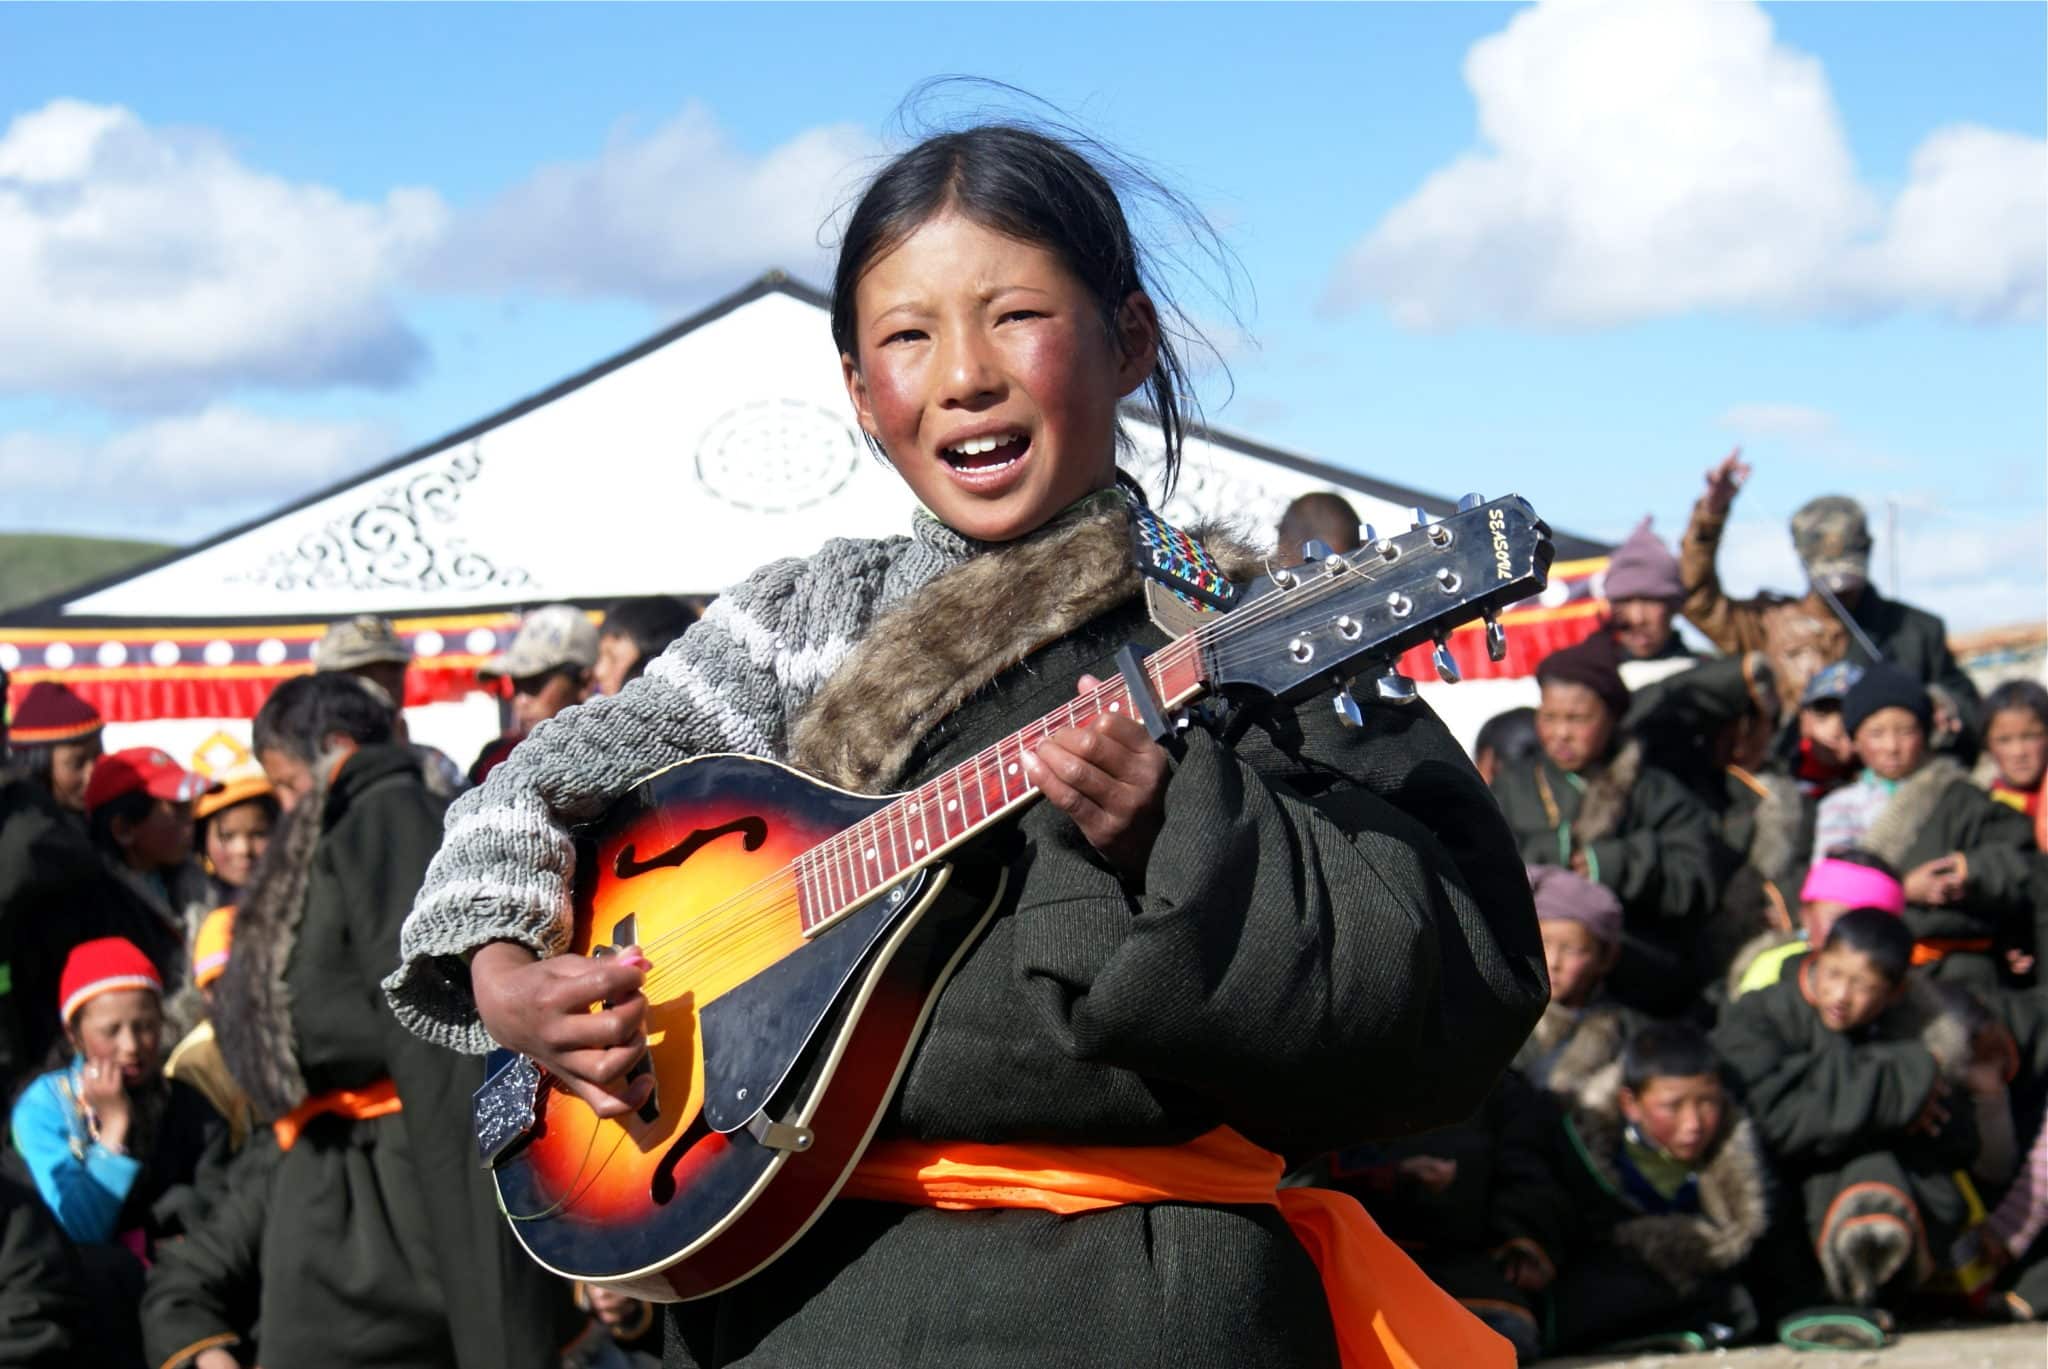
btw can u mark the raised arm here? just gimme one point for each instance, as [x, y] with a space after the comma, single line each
[1730, 624]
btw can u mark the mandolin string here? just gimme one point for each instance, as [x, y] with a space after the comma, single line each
[743, 915]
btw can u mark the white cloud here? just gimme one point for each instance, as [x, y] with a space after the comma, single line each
[1643, 161]
[1795, 422]
[178, 478]
[659, 216]
[144, 266]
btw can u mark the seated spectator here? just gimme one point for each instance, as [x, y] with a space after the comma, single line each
[1846, 879]
[1590, 805]
[231, 830]
[1850, 1066]
[1823, 759]
[114, 1147]
[43, 1311]
[1506, 739]
[1581, 1031]
[549, 664]
[368, 647]
[1644, 593]
[2016, 742]
[1319, 516]
[1967, 860]
[140, 807]
[55, 739]
[1658, 1191]
[1453, 1199]
[636, 631]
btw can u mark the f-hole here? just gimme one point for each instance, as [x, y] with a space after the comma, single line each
[627, 865]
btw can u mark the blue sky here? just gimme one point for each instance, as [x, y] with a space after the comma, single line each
[1576, 252]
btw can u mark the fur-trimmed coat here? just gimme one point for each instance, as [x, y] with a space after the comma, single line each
[1570, 1046]
[1588, 1203]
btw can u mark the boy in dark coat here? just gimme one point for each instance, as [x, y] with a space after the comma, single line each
[1966, 861]
[1657, 1192]
[1852, 1068]
[1590, 805]
[376, 1235]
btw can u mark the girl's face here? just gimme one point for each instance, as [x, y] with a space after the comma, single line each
[1577, 961]
[1892, 743]
[124, 1029]
[1848, 989]
[2019, 744]
[985, 372]
[71, 766]
[235, 841]
[162, 839]
[1573, 725]
[1681, 1115]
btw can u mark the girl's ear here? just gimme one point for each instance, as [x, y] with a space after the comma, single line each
[857, 394]
[1137, 340]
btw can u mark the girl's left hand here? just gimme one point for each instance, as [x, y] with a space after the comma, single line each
[1110, 777]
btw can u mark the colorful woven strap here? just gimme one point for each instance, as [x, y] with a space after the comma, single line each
[1166, 554]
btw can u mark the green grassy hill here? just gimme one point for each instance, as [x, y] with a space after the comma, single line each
[37, 565]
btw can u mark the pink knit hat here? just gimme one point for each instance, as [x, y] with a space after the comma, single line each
[1853, 886]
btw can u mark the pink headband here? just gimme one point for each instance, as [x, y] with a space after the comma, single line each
[1854, 886]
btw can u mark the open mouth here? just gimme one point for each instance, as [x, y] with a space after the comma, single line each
[980, 458]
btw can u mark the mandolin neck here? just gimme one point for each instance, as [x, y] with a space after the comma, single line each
[922, 825]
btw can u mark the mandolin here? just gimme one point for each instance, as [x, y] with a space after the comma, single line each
[801, 933]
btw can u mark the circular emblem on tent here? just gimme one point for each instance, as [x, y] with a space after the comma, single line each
[775, 455]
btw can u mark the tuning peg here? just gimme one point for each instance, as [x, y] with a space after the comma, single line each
[1367, 535]
[1446, 664]
[1422, 519]
[1348, 713]
[1394, 688]
[1468, 502]
[1496, 639]
[1315, 549]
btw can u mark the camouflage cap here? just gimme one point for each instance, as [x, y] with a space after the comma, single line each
[362, 640]
[550, 637]
[1833, 539]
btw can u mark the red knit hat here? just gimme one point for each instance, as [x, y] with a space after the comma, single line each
[51, 713]
[145, 768]
[107, 964]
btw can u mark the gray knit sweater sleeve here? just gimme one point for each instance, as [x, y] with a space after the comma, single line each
[731, 683]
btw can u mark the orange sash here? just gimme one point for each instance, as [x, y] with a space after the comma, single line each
[1387, 1313]
[378, 1100]
[1930, 950]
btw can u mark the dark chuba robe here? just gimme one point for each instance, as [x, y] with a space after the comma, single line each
[1334, 943]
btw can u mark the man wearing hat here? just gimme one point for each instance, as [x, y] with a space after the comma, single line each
[549, 664]
[1643, 594]
[1832, 537]
[368, 647]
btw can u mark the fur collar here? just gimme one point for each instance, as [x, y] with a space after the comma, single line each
[1604, 803]
[1582, 1043]
[252, 1004]
[1774, 843]
[1734, 1191]
[1909, 808]
[924, 658]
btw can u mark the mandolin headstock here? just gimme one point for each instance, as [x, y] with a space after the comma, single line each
[1319, 626]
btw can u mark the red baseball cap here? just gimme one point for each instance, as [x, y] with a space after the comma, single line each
[142, 768]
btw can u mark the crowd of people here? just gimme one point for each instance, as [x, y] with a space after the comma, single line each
[1790, 1078]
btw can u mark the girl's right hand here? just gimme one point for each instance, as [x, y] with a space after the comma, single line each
[106, 1098]
[542, 1009]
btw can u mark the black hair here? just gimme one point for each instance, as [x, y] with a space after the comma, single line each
[1869, 860]
[1321, 514]
[1878, 935]
[1051, 186]
[36, 762]
[267, 802]
[2016, 694]
[131, 807]
[1511, 736]
[649, 623]
[304, 711]
[1666, 1050]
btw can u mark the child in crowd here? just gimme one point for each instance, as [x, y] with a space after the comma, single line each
[1966, 860]
[232, 830]
[1823, 759]
[55, 738]
[1581, 1032]
[1505, 740]
[1590, 805]
[139, 805]
[114, 1148]
[635, 631]
[1851, 1067]
[2016, 740]
[1844, 879]
[1657, 1191]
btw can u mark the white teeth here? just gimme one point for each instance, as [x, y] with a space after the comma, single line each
[977, 446]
